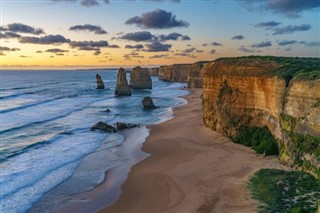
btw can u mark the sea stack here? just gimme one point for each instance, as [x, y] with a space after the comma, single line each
[147, 103]
[100, 84]
[140, 78]
[122, 88]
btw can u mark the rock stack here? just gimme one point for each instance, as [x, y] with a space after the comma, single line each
[100, 84]
[147, 103]
[122, 88]
[140, 78]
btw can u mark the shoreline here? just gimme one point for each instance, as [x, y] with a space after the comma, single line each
[190, 168]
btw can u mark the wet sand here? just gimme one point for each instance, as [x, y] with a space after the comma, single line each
[191, 169]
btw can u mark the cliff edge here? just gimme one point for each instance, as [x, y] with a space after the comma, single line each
[282, 94]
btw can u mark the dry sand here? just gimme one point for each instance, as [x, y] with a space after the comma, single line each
[191, 169]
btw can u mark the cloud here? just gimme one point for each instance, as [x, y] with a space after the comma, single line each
[173, 37]
[7, 49]
[82, 44]
[133, 54]
[88, 27]
[49, 39]
[189, 50]
[23, 56]
[89, 48]
[85, 3]
[56, 50]
[157, 19]
[291, 29]
[286, 42]
[39, 51]
[213, 51]
[312, 44]
[289, 8]
[97, 52]
[138, 36]
[8, 35]
[186, 55]
[138, 46]
[157, 46]
[22, 28]
[288, 49]
[238, 37]
[216, 44]
[268, 25]
[246, 50]
[262, 44]
[158, 56]
[205, 44]
[114, 46]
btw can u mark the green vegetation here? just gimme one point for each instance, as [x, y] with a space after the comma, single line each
[288, 67]
[260, 139]
[285, 192]
[305, 144]
[287, 122]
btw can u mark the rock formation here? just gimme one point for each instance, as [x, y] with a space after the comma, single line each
[147, 103]
[100, 84]
[194, 75]
[121, 126]
[122, 87]
[140, 78]
[103, 127]
[153, 71]
[258, 92]
[175, 72]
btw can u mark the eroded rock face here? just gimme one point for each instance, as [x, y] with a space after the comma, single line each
[194, 75]
[154, 71]
[175, 72]
[244, 93]
[100, 84]
[147, 103]
[122, 87]
[140, 78]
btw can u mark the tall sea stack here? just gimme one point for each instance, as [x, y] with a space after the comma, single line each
[122, 88]
[140, 78]
[100, 84]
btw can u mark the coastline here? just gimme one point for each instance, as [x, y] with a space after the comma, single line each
[190, 169]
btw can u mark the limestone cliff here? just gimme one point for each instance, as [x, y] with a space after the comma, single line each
[100, 84]
[154, 71]
[194, 75]
[262, 91]
[122, 87]
[140, 78]
[175, 72]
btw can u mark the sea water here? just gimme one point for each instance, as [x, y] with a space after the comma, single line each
[49, 156]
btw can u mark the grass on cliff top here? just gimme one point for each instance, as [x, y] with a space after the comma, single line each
[259, 138]
[289, 67]
[284, 191]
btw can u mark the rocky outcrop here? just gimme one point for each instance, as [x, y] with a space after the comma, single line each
[100, 84]
[121, 126]
[153, 71]
[122, 87]
[147, 103]
[250, 92]
[194, 75]
[175, 72]
[140, 78]
[103, 127]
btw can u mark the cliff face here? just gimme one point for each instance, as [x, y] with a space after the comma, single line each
[175, 73]
[245, 93]
[194, 75]
[190, 73]
[154, 71]
[140, 78]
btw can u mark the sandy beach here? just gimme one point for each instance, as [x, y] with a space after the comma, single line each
[191, 169]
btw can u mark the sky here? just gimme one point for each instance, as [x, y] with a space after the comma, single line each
[68, 34]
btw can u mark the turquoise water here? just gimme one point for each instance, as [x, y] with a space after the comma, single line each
[47, 149]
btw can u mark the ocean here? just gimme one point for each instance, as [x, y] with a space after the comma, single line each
[49, 158]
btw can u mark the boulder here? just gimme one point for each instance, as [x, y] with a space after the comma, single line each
[140, 78]
[122, 88]
[103, 127]
[147, 103]
[121, 125]
[100, 84]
